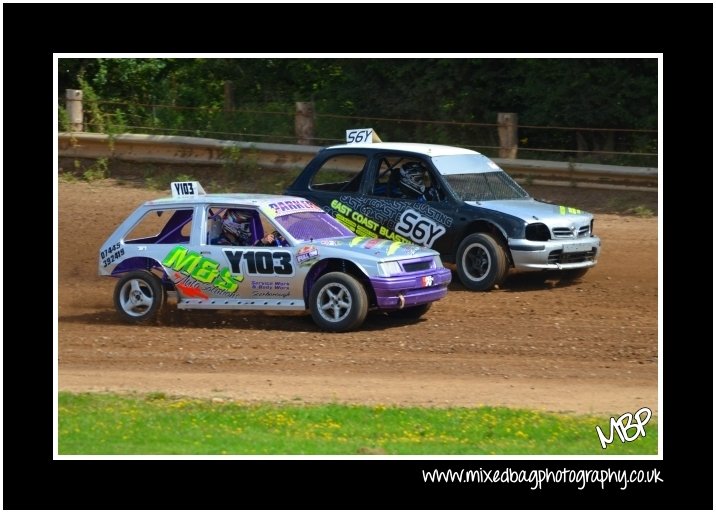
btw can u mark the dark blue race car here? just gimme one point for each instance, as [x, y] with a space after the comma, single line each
[453, 200]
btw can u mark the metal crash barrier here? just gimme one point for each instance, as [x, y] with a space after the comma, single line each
[169, 149]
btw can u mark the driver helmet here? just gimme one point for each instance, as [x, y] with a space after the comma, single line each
[411, 179]
[237, 226]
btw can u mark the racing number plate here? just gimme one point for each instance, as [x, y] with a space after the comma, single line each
[577, 247]
[427, 281]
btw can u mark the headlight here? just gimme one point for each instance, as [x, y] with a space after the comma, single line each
[437, 262]
[389, 268]
[537, 232]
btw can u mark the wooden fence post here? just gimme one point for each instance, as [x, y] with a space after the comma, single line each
[507, 131]
[73, 103]
[305, 122]
[229, 96]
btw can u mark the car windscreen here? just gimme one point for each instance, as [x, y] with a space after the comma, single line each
[474, 177]
[306, 226]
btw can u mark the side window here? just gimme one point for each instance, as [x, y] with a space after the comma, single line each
[162, 226]
[433, 191]
[387, 181]
[340, 173]
[266, 225]
[405, 178]
[381, 187]
[231, 226]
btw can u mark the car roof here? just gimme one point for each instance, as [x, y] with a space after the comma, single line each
[238, 199]
[430, 150]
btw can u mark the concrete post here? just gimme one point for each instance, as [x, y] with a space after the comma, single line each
[73, 102]
[305, 122]
[507, 131]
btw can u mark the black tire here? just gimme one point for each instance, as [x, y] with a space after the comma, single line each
[481, 262]
[139, 297]
[411, 312]
[338, 302]
[571, 275]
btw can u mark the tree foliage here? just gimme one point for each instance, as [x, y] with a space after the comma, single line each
[188, 94]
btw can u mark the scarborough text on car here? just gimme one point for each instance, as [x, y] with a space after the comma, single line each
[453, 200]
[262, 252]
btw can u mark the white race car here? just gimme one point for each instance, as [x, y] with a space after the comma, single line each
[291, 256]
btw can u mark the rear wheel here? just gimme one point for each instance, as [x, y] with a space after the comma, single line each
[481, 262]
[139, 296]
[338, 302]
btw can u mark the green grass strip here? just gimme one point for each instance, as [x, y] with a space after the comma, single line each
[156, 424]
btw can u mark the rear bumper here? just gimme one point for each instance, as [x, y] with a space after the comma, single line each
[397, 292]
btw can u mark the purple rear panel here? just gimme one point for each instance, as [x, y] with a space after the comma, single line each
[415, 289]
[137, 264]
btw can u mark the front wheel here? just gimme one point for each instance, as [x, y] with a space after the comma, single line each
[481, 262]
[338, 302]
[139, 296]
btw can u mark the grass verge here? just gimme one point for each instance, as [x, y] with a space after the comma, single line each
[156, 424]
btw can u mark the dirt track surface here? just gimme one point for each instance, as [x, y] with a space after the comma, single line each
[588, 347]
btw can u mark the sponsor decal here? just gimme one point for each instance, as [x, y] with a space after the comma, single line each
[427, 281]
[568, 210]
[291, 206]
[201, 269]
[306, 254]
[188, 291]
[393, 248]
[372, 243]
[385, 212]
[269, 289]
[361, 224]
[330, 242]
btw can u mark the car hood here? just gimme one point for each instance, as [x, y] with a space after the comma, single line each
[530, 210]
[377, 248]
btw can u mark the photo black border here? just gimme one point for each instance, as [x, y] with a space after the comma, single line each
[33, 480]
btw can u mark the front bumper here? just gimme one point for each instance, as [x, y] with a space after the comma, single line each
[397, 292]
[555, 254]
